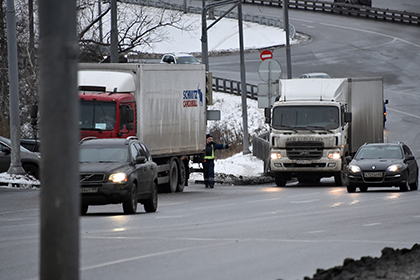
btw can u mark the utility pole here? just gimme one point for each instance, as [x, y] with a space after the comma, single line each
[59, 111]
[15, 163]
[114, 32]
[286, 29]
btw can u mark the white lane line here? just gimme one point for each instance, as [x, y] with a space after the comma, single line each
[371, 225]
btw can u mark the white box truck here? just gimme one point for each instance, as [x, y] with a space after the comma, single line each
[316, 123]
[163, 105]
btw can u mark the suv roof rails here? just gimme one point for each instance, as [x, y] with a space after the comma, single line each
[87, 138]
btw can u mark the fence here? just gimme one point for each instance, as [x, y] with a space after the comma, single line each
[345, 9]
[261, 149]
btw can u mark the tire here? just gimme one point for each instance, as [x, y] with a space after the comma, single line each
[280, 179]
[414, 186]
[363, 188]
[340, 178]
[405, 186]
[182, 182]
[84, 209]
[173, 175]
[351, 189]
[151, 204]
[31, 169]
[130, 205]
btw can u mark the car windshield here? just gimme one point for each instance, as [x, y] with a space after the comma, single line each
[103, 154]
[7, 143]
[379, 152]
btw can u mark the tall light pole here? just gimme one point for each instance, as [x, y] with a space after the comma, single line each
[15, 163]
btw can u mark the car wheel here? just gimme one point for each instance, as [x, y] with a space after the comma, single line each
[130, 205]
[280, 179]
[363, 188]
[405, 186]
[414, 186]
[351, 189]
[31, 169]
[84, 209]
[182, 177]
[151, 204]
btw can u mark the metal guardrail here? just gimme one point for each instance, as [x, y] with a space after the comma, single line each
[261, 149]
[234, 87]
[346, 9]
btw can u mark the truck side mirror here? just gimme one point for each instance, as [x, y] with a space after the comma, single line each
[267, 114]
[347, 117]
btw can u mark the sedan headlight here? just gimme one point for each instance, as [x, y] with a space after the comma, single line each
[354, 169]
[394, 168]
[118, 178]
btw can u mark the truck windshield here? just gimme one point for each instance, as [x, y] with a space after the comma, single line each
[96, 115]
[305, 117]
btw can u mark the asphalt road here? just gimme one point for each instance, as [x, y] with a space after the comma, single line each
[230, 232]
[254, 232]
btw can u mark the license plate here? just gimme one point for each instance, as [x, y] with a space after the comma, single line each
[302, 161]
[89, 190]
[373, 174]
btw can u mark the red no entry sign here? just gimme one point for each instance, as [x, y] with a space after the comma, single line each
[266, 54]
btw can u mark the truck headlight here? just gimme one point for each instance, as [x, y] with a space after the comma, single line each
[354, 169]
[334, 155]
[275, 156]
[118, 178]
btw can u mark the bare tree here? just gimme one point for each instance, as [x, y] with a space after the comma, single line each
[138, 26]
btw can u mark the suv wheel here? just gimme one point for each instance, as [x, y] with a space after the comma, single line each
[151, 204]
[130, 205]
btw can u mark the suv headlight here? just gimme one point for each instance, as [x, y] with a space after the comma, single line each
[354, 169]
[394, 168]
[118, 178]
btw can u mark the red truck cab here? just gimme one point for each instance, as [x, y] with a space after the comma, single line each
[106, 114]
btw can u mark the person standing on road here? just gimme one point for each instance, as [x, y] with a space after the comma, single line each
[208, 164]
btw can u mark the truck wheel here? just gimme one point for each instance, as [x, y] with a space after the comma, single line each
[151, 204]
[173, 175]
[280, 179]
[340, 178]
[130, 205]
[182, 177]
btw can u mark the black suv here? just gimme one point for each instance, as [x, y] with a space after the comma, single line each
[116, 171]
[383, 165]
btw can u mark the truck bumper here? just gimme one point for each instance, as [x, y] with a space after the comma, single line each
[324, 164]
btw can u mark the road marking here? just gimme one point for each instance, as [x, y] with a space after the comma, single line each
[372, 32]
[372, 224]
[304, 201]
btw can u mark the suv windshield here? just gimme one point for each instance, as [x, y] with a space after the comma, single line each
[103, 154]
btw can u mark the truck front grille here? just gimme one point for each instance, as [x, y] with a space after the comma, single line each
[304, 150]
